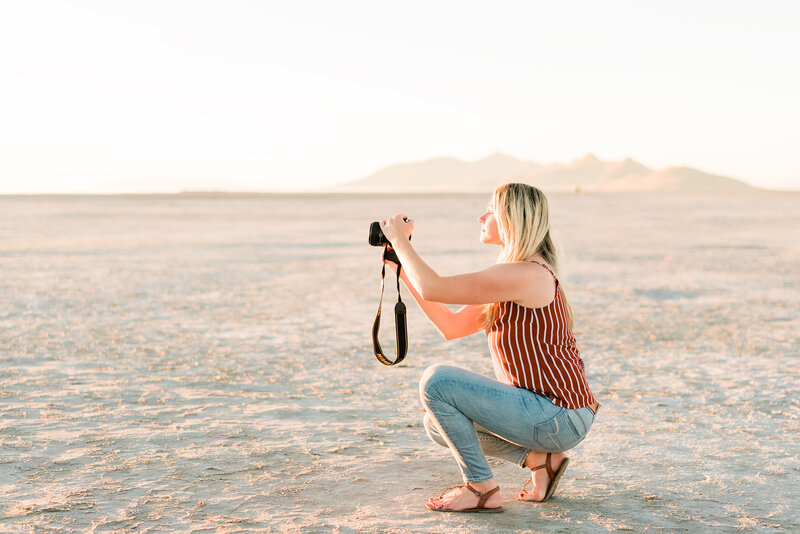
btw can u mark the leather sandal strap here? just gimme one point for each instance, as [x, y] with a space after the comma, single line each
[473, 490]
[482, 497]
[546, 465]
[450, 488]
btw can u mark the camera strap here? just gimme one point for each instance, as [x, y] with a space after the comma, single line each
[399, 322]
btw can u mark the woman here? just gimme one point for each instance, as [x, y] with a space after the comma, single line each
[540, 405]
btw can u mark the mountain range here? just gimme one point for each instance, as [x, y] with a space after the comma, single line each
[585, 174]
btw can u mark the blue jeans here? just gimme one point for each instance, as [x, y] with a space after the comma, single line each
[474, 416]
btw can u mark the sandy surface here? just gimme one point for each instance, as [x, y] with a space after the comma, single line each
[204, 364]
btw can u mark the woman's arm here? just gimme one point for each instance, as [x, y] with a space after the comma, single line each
[451, 324]
[501, 282]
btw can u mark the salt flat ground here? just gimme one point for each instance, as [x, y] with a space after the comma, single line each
[203, 363]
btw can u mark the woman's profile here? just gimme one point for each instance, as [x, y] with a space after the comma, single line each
[540, 404]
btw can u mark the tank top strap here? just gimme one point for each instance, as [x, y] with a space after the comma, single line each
[546, 267]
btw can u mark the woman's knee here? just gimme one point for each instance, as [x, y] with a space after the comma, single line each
[433, 378]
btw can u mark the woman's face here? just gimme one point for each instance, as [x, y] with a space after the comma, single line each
[489, 232]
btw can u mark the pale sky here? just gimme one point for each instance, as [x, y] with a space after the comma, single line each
[169, 95]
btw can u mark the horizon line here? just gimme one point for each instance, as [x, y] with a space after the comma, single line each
[256, 193]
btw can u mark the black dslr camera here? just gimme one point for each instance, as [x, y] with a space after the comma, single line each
[377, 239]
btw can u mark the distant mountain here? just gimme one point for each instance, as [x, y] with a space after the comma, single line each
[585, 174]
[447, 174]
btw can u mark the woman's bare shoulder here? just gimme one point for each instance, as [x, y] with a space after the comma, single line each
[540, 286]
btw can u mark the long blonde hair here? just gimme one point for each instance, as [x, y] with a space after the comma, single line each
[523, 222]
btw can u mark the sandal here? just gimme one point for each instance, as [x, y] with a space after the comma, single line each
[554, 477]
[483, 497]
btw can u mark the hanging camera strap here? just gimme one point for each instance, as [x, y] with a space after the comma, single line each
[399, 320]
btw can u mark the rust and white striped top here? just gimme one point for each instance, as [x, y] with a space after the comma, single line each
[534, 349]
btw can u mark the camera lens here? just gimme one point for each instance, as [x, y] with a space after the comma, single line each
[376, 237]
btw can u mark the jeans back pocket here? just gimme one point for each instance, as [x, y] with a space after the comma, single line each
[560, 433]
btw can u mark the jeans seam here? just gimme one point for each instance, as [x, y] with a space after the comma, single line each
[458, 450]
[524, 457]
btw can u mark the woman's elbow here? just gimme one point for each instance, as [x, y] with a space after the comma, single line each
[431, 293]
[446, 334]
[451, 334]
[426, 294]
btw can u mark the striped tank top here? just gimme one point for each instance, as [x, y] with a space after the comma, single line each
[534, 349]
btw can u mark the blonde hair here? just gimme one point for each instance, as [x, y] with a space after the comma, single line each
[523, 222]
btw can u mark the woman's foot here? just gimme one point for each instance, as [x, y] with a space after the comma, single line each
[462, 498]
[541, 479]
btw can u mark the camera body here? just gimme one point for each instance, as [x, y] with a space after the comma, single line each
[376, 237]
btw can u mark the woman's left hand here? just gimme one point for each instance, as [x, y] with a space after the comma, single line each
[396, 229]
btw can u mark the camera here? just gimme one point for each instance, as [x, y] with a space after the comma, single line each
[376, 237]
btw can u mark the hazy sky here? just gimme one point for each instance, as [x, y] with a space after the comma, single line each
[169, 95]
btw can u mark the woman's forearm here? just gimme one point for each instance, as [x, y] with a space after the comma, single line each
[451, 324]
[419, 275]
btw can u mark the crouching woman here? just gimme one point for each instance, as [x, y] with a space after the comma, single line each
[539, 404]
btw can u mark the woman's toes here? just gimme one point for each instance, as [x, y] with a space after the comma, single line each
[528, 496]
